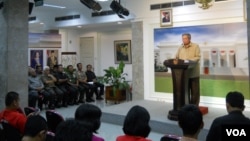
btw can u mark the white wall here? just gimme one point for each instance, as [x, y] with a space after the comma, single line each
[107, 49]
[103, 46]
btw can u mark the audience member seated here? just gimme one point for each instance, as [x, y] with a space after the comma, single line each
[73, 130]
[35, 129]
[55, 93]
[90, 114]
[82, 79]
[12, 113]
[62, 84]
[36, 90]
[39, 70]
[235, 107]
[54, 70]
[91, 77]
[136, 125]
[190, 121]
[75, 83]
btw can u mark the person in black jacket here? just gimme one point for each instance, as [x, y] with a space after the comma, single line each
[235, 106]
[91, 77]
[70, 92]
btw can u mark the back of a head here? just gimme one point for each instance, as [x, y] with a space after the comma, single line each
[11, 97]
[235, 99]
[34, 125]
[73, 130]
[136, 122]
[89, 113]
[190, 119]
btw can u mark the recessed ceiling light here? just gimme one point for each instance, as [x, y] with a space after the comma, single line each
[102, 0]
[54, 6]
[41, 23]
[119, 22]
[79, 26]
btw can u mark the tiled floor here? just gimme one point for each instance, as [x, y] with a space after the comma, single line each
[158, 112]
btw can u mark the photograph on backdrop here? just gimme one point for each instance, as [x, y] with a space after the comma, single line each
[36, 58]
[52, 58]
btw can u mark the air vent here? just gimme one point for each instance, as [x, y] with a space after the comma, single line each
[166, 5]
[175, 4]
[221, 0]
[32, 19]
[64, 18]
[188, 2]
[156, 6]
[103, 13]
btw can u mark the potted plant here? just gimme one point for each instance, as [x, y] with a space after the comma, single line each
[116, 81]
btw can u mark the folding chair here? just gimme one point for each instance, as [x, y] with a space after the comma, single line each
[28, 110]
[53, 120]
[9, 133]
[169, 137]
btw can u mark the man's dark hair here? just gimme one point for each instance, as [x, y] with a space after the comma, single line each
[78, 64]
[89, 113]
[73, 130]
[37, 66]
[88, 65]
[235, 99]
[165, 12]
[187, 34]
[190, 119]
[136, 122]
[56, 66]
[11, 97]
[69, 66]
[34, 125]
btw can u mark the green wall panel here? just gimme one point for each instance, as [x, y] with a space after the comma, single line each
[163, 84]
[208, 87]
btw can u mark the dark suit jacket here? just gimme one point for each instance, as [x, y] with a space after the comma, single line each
[233, 118]
[90, 76]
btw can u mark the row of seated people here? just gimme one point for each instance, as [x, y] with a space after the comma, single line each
[136, 125]
[58, 88]
[86, 122]
[34, 127]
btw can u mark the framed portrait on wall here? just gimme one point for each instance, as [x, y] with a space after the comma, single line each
[36, 58]
[122, 50]
[166, 17]
[52, 57]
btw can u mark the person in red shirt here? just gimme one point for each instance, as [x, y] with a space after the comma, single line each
[12, 113]
[136, 125]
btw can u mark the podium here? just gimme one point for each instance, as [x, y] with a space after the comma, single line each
[180, 70]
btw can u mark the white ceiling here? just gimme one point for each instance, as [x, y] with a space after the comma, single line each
[46, 16]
